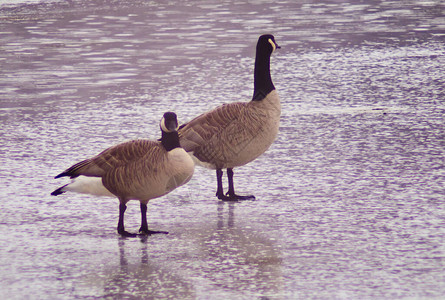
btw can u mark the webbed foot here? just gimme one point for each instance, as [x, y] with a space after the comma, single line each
[126, 233]
[234, 197]
[145, 231]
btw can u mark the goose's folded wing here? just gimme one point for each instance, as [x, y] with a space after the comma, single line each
[112, 158]
[201, 129]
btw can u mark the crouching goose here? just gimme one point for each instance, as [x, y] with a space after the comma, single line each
[235, 134]
[136, 170]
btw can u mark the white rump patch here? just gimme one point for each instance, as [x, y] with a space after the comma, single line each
[88, 185]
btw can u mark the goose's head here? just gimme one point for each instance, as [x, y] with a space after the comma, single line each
[169, 122]
[267, 43]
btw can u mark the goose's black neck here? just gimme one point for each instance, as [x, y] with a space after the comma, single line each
[262, 81]
[170, 140]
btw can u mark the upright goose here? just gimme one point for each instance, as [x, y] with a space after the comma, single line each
[235, 134]
[136, 170]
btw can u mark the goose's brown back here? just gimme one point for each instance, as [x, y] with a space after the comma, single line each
[128, 168]
[233, 134]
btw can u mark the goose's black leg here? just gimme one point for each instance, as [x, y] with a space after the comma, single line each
[144, 225]
[231, 192]
[120, 224]
[220, 190]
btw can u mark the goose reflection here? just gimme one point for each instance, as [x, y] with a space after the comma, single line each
[144, 279]
[240, 259]
[230, 214]
[217, 256]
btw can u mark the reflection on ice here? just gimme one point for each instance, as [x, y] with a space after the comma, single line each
[240, 259]
[231, 260]
[133, 278]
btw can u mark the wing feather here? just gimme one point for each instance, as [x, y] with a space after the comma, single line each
[203, 128]
[114, 157]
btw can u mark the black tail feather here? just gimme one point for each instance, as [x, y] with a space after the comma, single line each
[61, 175]
[58, 191]
[182, 126]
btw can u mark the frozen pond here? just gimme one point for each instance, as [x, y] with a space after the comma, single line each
[350, 198]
